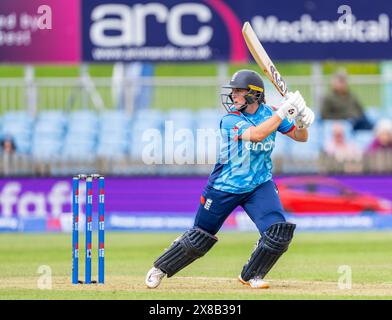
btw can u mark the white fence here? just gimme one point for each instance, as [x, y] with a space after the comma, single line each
[165, 92]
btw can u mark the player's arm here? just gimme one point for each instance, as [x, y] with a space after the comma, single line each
[298, 134]
[263, 130]
[290, 108]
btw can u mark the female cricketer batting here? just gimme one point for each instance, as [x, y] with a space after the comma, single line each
[242, 177]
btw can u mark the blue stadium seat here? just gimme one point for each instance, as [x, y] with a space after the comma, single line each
[373, 114]
[363, 138]
[181, 118]
[114, 137]
[281, 146]
[136, 151]
[84, 123]
[53, 116]
[75, 139]
[114, 120]
[143, 120]
[148, 115]
[43, 128]
[23, 144]
[47, 149]
[316, 136]
[114, 123]
[305, 155]
[210, 114]
[18, 116]
[184, 137]
[114, 134]
[80, 142]
[50, 125]
[82, 150]
[18, 125]
[140, 129]
[112, 150]
[207, 145]
[208, 118]
[141, 126]
[83, 116]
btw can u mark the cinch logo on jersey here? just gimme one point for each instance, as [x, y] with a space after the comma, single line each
[260, 146]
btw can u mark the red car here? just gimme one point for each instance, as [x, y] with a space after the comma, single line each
[320, 195]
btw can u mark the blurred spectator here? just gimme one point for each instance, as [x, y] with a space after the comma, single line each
[339, 148]
[7, 145]
[341, 104]
[7, 152]
[383, 137]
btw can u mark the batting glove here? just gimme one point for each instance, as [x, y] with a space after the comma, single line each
[305, 119]
[292, 106]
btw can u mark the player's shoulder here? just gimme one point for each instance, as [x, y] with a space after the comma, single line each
[232, 116]
[233, 119]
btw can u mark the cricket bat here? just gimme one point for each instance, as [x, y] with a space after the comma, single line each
[262, 59]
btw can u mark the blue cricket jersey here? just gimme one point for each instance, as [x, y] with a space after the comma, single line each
[244, 165]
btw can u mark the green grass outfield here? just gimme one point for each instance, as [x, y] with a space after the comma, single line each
[309, 270]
